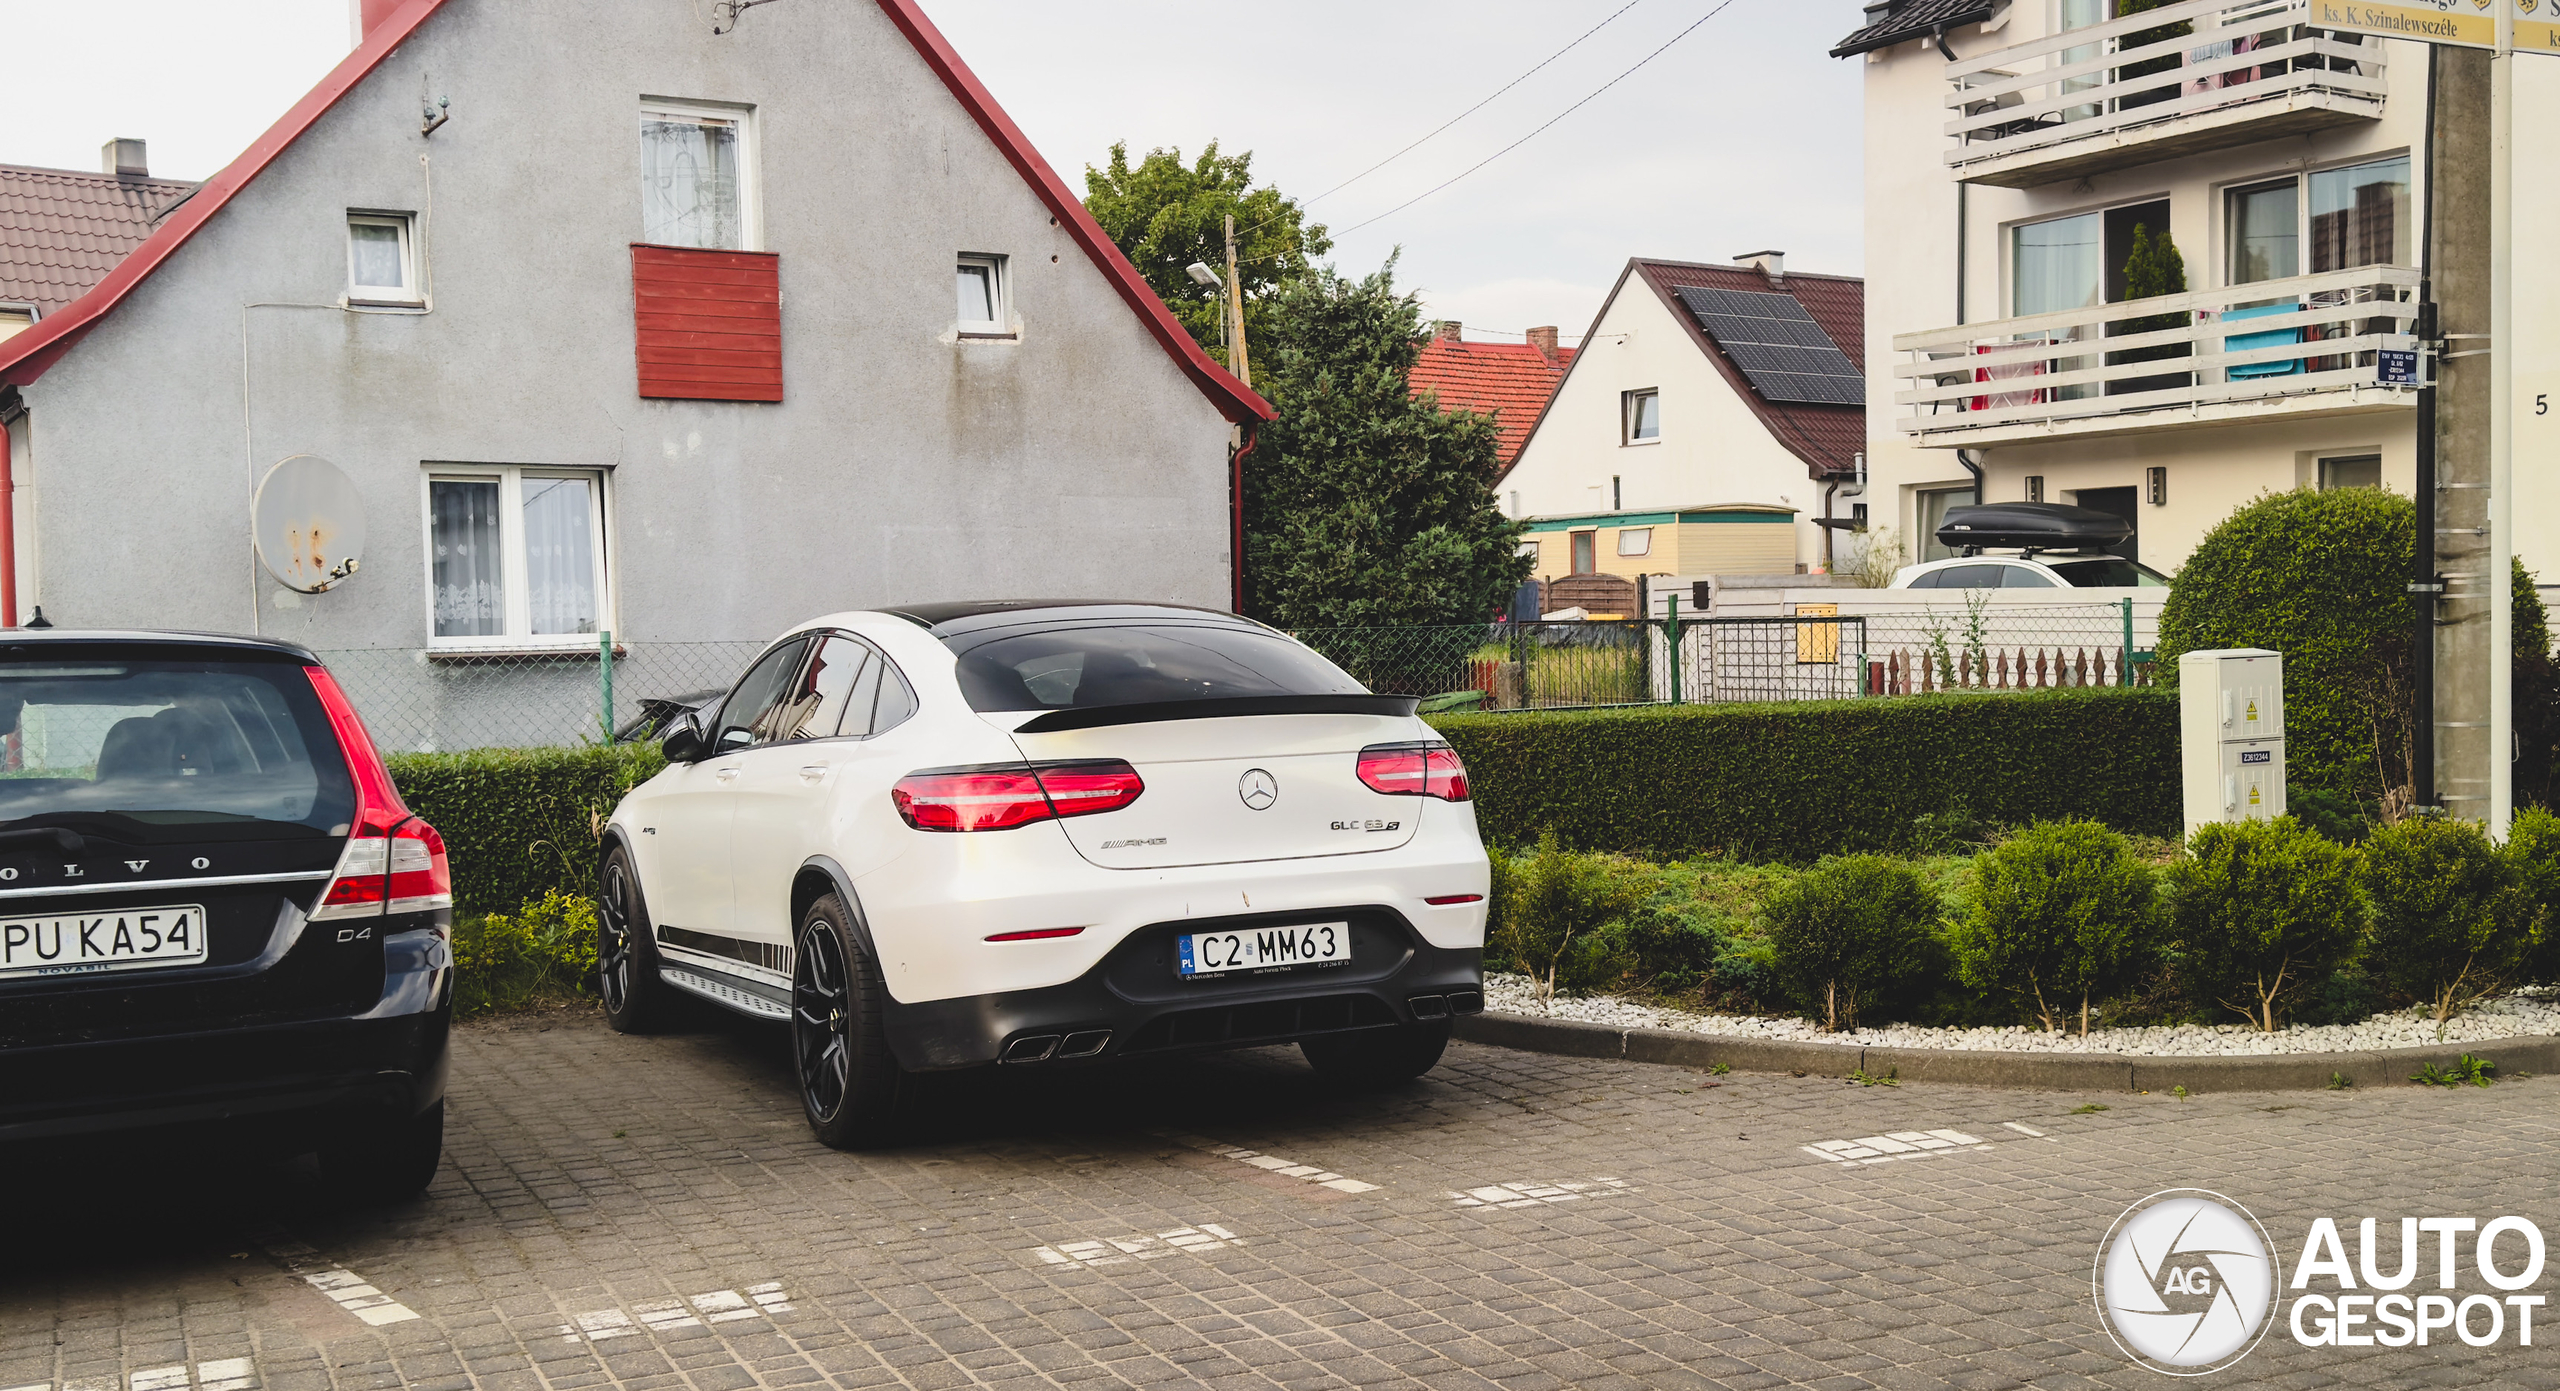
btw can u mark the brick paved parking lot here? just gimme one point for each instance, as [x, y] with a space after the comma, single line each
[652, 1213]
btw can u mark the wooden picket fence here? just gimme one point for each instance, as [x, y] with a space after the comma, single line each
[1907, 673]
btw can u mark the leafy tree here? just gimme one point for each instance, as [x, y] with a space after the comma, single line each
[1849, 934]
[1364, 505]
[2533, 848]
[2451, 922]
[1165, 214]
[2062, 908]
[2261, 912]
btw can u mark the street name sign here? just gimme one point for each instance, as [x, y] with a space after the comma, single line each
[2396, 362]
[2468, 23]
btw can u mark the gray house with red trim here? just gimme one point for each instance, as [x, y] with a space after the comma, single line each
[617, 323]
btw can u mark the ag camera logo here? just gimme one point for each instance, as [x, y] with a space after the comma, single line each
[2184, 1282]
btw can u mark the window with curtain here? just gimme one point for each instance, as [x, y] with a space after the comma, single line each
[464, 558]
[692, 182]
[516, 555]
[2360, 216]
[2058, 265]
[2266, 233]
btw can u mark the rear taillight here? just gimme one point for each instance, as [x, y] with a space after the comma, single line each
[1414, 770]
[393, 862]
[999, 799]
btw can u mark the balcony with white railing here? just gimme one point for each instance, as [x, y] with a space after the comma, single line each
[2184, 78]
[2273, 349]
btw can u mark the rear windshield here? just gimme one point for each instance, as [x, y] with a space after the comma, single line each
[1139, 664]
[2103, 574]
[155, 751]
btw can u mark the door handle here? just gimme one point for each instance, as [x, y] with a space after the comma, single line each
[725, 774]
[812, 772]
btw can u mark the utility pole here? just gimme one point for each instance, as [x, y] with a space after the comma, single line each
[1239, 364]
[2466, 611]
[1238, 360]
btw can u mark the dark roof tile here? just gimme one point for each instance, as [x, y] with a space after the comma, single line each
[1914, 19]
[1827, 437]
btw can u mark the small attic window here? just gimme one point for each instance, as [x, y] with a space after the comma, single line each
[1643, 416]
[381, 266]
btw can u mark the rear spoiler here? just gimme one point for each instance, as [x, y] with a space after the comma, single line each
[1152, 712]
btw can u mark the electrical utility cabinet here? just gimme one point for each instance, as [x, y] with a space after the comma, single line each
[2231, 735]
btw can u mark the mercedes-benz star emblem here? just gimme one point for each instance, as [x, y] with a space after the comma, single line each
[1258, 789]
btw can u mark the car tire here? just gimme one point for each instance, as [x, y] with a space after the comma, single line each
[1378, 1057]
[636, 999]
[389, 1163]
[851, 1088]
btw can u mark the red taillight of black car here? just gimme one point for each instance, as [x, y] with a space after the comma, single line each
[393, 862]
[999, 799]
[1414, 770]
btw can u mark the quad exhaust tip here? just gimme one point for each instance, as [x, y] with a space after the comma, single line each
[1442, 1006]
[1040, 1048]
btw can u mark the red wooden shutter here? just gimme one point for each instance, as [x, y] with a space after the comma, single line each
[710, 323]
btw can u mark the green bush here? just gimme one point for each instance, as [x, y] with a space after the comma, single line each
[1556, 913]
[520, 822]
[2450, 920]
[505, 961]
[1800, 780]
[2322, 577]
[1853, 933]
[2062, 909]
[2533, 850]
[2262, 914]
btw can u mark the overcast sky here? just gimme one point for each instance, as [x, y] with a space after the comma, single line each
[1741, 136]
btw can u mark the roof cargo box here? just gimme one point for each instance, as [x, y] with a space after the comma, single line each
[2032, 526]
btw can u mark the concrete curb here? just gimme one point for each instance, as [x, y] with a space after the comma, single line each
[2078, 1072]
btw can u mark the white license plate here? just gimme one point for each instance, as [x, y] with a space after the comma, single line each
[1264, 948]
[113, 939]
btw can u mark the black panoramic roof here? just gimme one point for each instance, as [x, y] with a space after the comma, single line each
[972, 615]
[2032, 526]
[17, 642]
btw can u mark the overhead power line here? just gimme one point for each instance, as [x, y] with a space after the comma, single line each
[1532, 135]
[1479, 106]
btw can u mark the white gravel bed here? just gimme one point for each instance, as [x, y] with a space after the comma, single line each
[2505, 1017]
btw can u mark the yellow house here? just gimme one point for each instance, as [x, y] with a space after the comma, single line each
[1733, 538]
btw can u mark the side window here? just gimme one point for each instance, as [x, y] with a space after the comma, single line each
[814, 701]
[757, 693]
[2020, 577]
[897, 700]
[1926, 579]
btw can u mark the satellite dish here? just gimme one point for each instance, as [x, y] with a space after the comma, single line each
[308, 524]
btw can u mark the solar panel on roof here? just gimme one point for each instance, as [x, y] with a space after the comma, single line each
[1778, 346]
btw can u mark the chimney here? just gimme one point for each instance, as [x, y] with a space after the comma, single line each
[1544, 340]
[1447, 331]
[1772, 264]
[363, 16]
[124, 158]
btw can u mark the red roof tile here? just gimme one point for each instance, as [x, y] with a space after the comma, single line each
[1512, 382]
[61, 230]
[1828, 438]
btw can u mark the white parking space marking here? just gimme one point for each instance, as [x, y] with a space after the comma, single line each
[1120, 1250]
[1272, 1163]
[344, 1287]
[1533, 1194]
[2029, 1130]
[1899, 1144]
[692, 1311]
[223, 1374]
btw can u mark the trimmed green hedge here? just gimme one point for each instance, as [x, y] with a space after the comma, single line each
[1800, 780]
[518, 822]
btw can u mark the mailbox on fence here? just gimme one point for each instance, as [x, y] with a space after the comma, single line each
[2231, 735]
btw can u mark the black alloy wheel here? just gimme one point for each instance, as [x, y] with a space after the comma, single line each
[636, 1000]
[851, 1087]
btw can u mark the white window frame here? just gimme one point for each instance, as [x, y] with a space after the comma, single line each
[1000, 291]
[1628, 404]
[750, 155]
[1641, 536]
[513, 567]
[406, 293]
